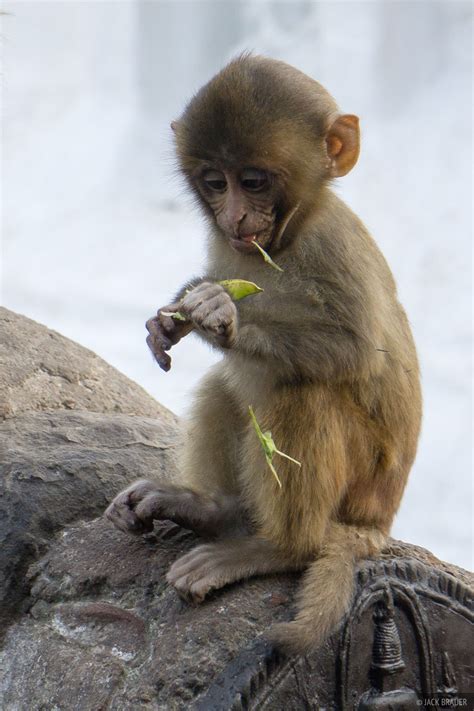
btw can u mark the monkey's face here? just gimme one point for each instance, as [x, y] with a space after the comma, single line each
[243, 201]
[257, 144]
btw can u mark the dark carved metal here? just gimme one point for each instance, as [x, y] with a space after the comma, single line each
[386, 661]
[387, 653]
[409, 635]
[448, 686]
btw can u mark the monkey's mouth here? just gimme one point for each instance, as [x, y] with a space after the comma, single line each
[246, 243]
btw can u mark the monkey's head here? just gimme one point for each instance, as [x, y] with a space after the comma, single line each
[257, 143]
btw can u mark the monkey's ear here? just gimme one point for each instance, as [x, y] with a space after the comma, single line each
[342, 145]
[174, 126]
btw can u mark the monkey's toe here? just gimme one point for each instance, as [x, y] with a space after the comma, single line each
[193, 593]
[195, 574]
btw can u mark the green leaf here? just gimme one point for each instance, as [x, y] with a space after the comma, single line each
[269, 447]
[267, 257]
[174, 314]
[239, 288]
[236, 288]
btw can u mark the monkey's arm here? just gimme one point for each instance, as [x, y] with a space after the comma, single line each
[137, 506]
[303, 346]
[295, 335]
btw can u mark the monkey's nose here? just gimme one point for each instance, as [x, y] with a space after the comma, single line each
[237, 225]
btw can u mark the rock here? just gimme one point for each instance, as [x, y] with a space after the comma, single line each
[106, 630]
[73, 432]
[41, 370]
[62, 466]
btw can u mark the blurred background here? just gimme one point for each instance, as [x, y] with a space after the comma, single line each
[97, 232]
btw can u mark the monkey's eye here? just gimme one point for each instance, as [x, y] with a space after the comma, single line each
[214, 180]
[254, 179]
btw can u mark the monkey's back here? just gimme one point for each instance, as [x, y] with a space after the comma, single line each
[383, 398]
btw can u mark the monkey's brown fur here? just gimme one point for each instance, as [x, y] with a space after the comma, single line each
[324, 355]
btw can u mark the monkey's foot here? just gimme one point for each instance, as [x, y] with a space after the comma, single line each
[213, 565]
[207, 567]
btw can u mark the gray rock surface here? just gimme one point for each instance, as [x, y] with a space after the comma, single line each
[42, 370]
[59, 467]
[73, 432]
[105, 631]
[100, 601]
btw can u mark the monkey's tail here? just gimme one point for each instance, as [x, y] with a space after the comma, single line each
[327, 589]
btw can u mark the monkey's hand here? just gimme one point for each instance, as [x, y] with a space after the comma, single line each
[137, 506]
[164, 332]
[212, 311]
[135, 509]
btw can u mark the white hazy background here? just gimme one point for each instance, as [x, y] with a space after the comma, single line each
[97, 232]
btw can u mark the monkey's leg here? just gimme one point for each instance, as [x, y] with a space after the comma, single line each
[307, 424]
[291, 521]
[315, 426]
[326, 592]
[209, 461]
[205, 497]
[211, 566]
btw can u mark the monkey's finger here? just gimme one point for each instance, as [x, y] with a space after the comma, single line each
[158, 338]
[164, 361]
[219, 303]
[167, 323]
[157, 330]
[199, 295]
[204, 287]
[125, 519]
[158, 350]
[135, 492]
[151, 507]
[180, 329]
[222, 319]
[162, 358]
[166, 331]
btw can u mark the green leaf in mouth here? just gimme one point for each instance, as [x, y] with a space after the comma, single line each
[267, 257]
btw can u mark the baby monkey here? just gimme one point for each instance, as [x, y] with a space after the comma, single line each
[324, 355]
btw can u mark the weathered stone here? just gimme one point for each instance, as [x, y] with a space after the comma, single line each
[101, 595]
[75, 679]
[62, 466]
[42, 370]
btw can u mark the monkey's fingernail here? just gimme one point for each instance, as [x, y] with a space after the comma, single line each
[163, 360]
